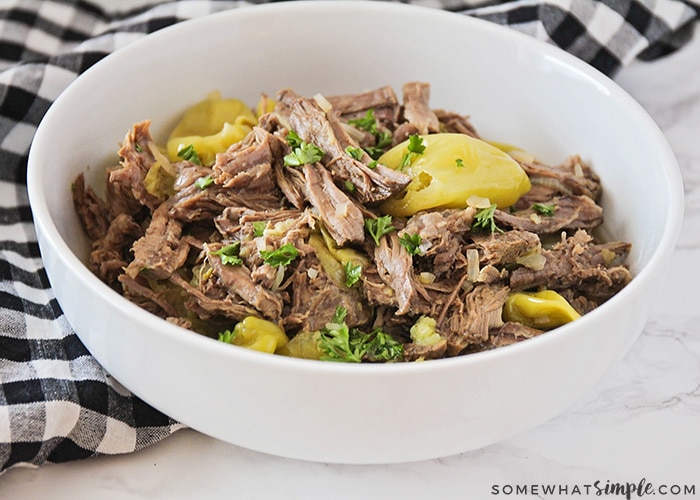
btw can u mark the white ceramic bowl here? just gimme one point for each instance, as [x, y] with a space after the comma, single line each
[516, 90]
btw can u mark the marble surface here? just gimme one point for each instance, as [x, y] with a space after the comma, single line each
[640, 424]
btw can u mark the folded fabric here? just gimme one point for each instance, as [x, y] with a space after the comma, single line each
[56, 402]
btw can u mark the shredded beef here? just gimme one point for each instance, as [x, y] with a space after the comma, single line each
[316, 297]
[162, 250]
[239, 283]
[577, 262]
[342, 218]
[417, 111]
[110, 253]
[471, 316]
[505, 248]
[511, 333]
[382, 101]
[568, 212]
[92, 211]
[198, 253]
[395, 268]
[572, 177]
[323, 129]
[137, 158]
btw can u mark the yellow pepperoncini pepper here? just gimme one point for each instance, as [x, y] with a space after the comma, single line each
[334, 259]
[303, 345]
[259, 334]
[211, 126]
[543, 310]
[452, 168]
[424, 331]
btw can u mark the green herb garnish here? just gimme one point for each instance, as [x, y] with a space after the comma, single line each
[283, 256]
[544, 209]
[459, 162]
[259, 228]
[227, 336]
[415, 147]
[229, 254]
[355, 153]
[302, 152]
[293, 139]
[204, 182]
[334, 341]
[337, 342]
[368, 123]
[411, 242]
[189, 154]
[379, 227]
[380, 347]
[484, 221]
[353, 273]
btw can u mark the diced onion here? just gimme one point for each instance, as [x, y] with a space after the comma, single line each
[426, 278]
[550, 182]
[323, 103]
[279, 277]
[472, 264]
[341, 210]
[160, 157]
[522, 156]
[480, 202]
[356, 135]
[533, 260]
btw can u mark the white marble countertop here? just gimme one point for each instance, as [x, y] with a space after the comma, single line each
[641, 423]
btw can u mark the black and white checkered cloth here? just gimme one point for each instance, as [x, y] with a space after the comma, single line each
[56, 402]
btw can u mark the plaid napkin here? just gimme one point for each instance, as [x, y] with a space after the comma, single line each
[56, 402]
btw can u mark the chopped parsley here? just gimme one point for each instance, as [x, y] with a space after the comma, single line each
[302, 152]
[337, 342]
[227, 336]
[411, 242]
[259, 228]
[138, 147]
[355, 153]
[283, 256]
[384, 140]
[229, 254]
[368, 123]
[334, 341]
[459, 162]
[544, 209]
[293, 139]
[204, 182]
[415, 147]
[189, 154]
[380, 347]
[353, 273]
[379, 227]
[484, 222]
[350, 187]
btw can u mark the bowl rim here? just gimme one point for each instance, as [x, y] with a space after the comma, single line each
[45, 225]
